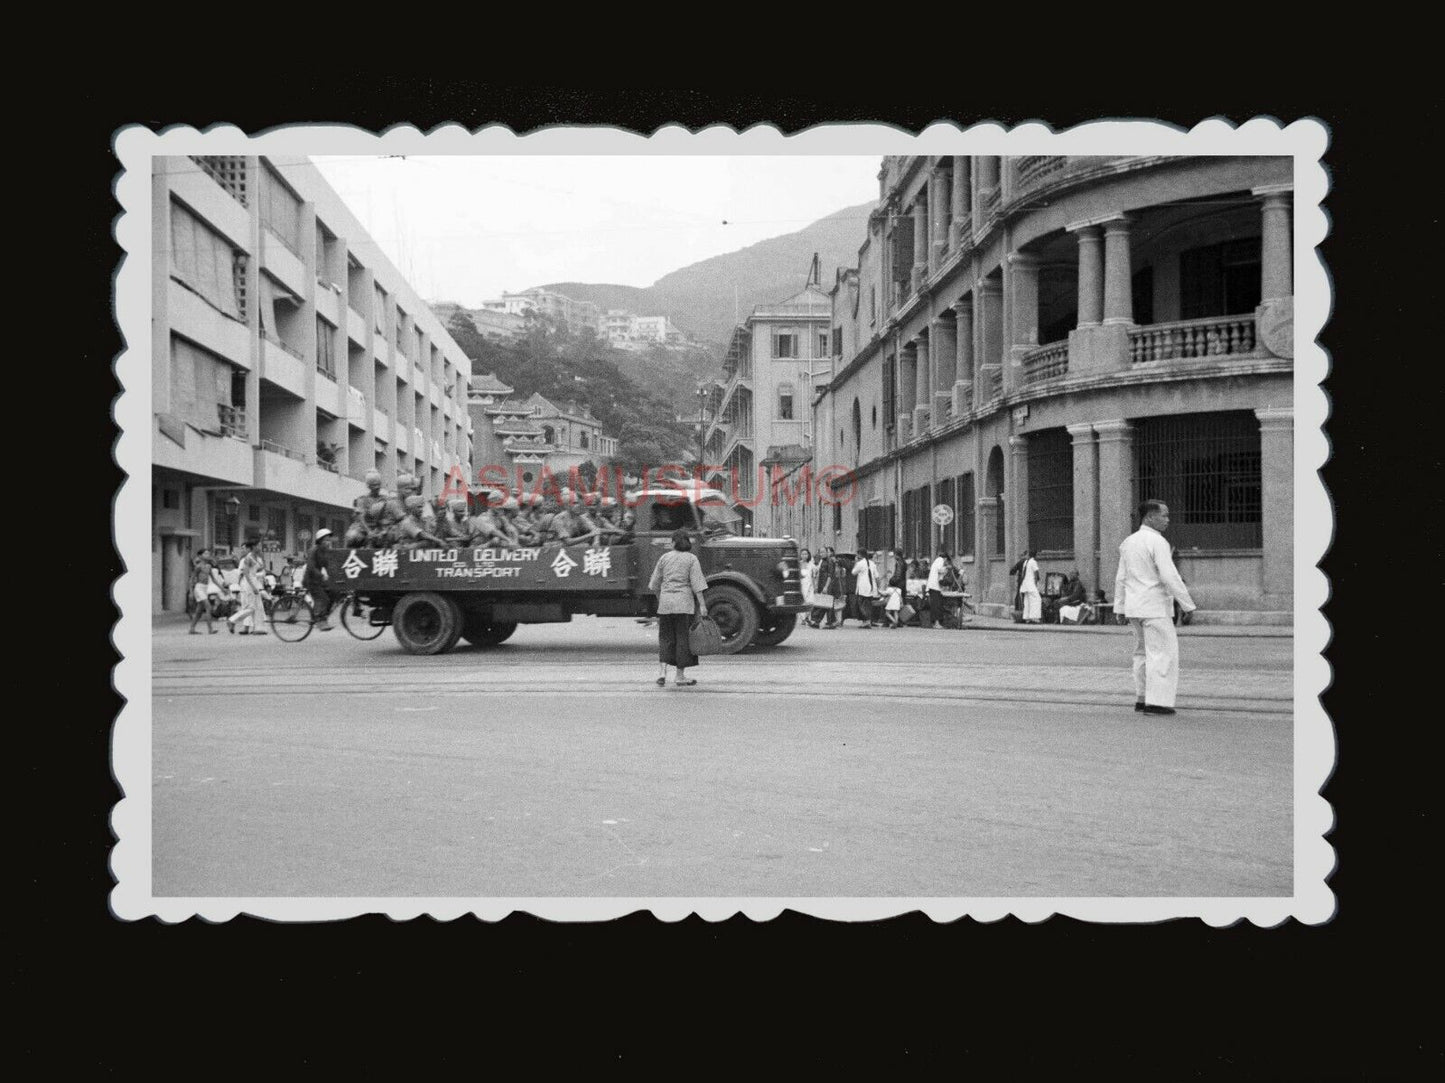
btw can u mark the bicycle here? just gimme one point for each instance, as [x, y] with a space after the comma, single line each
[292, 617]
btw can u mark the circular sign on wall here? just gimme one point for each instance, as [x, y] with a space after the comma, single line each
[942, 514]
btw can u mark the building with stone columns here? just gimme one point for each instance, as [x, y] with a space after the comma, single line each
[289, 357]
[1040, 342]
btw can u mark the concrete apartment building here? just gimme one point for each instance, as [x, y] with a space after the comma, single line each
[1040, 342]
[289, 357]
[767, 381]
[628, 331]
[579, 317]
[524, 435]
[491, 323]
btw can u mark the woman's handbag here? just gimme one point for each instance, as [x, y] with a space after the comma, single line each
[704, 637]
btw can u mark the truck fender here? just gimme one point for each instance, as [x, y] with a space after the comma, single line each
[745, 582]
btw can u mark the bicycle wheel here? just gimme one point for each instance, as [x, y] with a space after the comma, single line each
[291, 619]
[360, 618]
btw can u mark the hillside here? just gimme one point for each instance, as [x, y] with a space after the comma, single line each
[699, 298]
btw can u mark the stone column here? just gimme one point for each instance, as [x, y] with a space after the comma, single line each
[975, 192]
[961, 193]
[1276, 257]
[963, 363]
[1024, 315]
[989, 313]
[1118, 274]
[907, 391]
[1008, 178]
[1086, 496]
[1116, 495]
[987, 178]
[920, 240]
[1016, 530]
[1091, 275]
[938, 215]
[944, 355]
[1276, 492]
[922, 395]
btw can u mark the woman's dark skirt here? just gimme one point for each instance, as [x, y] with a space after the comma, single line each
[673, 647]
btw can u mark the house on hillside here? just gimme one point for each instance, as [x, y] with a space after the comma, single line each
[522, 436]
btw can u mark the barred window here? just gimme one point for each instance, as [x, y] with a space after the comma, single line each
[1051, 491]
[227, 170]
[966, 508]
[1206, 467]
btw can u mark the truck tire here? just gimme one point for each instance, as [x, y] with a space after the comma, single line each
[426, 623]
[484, 633]
[736, 615]
[779, 628]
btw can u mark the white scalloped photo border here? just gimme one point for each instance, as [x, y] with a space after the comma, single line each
[1304, 141]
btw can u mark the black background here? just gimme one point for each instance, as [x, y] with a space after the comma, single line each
[1169, 1001]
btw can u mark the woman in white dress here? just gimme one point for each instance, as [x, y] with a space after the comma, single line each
[1029, 590]
[807, 569]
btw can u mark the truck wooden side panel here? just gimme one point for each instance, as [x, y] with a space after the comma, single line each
[553, 568]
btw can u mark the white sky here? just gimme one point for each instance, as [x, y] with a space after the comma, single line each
[466, 228]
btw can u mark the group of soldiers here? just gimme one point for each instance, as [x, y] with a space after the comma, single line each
[405, 520]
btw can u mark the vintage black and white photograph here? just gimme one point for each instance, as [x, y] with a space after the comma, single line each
[852, 521]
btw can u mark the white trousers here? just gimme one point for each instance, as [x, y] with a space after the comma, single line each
[1156, 660]
[1033, 605]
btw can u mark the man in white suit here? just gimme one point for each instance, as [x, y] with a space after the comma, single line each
[1145, 591]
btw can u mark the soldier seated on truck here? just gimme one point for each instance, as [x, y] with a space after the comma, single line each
[492, 528]
[413, 531]
[456, 528]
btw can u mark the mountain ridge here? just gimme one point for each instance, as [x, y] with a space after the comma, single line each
[708, 298]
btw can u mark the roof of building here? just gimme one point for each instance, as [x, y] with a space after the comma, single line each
[488, 382]
[787, 453]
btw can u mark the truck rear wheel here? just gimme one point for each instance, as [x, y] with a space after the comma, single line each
[736, 616]
[780, 627]
[427, 623]
[486, 633]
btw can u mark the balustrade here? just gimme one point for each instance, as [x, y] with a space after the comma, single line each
[1046, 363]
[1219, 336]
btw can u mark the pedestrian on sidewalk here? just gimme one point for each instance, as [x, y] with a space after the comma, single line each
[865, 588]
[314, 579]
[897, 588]
[1145, 590]
[807, 569]
[251, 587]
[827, 586]
[205, 580]
[936, 572]
[1029, 589]
[678, 582]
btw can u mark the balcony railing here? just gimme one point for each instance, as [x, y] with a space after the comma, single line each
[1036, 169]
[282, 449]
[1046, 363]
[1219, 336]
[233, 421]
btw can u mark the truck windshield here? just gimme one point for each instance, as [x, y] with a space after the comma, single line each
[718, 518]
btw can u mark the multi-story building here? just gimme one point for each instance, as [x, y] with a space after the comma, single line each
[579, 317]
[524, 435]
[628, 331]
[1038, 343]
[767, 377]
[495, 324]
[289, 357]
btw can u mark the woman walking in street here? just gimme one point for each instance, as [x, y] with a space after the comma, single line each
[251, 589]
[828, 584]
[678, 582]
[806, 571]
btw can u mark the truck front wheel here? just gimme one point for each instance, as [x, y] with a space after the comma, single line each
[426, 623]
[735, 614]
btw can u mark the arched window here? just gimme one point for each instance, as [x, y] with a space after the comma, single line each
[548, 434]
[994, 483]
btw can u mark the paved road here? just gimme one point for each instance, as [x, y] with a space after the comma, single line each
[844, 763]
